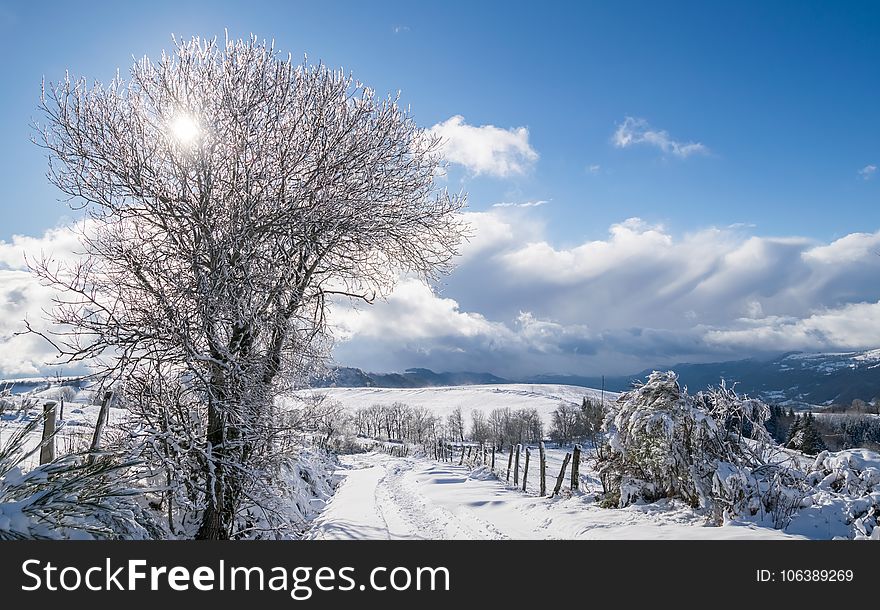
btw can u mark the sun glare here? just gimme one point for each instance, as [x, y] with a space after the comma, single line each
[184, 128]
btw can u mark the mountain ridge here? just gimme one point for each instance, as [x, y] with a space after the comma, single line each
[792, 378]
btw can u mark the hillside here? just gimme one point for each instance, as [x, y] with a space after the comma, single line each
[797, 379]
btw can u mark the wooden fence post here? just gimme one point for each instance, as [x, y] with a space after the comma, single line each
[516, 466]
[461, 461]
[47, 448]
[509, 461]
[526, 469]
[103, 416]
[575, 468]
[561, 476]
[493, 457]
[543, 469]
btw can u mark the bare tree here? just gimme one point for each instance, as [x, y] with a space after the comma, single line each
[480, 431]
[231, 195]
[455, 423]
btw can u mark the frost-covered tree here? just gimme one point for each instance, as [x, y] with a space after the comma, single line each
[703, 449]
[231, 195]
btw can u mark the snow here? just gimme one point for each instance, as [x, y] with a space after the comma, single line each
[384, 497]
[443, 400]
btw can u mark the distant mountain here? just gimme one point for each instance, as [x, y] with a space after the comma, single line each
[796, 379]
[791, 379]
[346, 377]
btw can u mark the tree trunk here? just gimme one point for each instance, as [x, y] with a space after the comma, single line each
[212, 526]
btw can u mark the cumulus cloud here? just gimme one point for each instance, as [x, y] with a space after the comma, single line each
[868, 172]
[486, 149]
[635, 131]
[23, 297]
[519, 304]
[641, 296]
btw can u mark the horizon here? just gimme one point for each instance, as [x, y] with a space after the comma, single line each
[683, 183]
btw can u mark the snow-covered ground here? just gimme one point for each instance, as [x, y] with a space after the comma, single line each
[443, 400]
[414, 497]
[384, 497]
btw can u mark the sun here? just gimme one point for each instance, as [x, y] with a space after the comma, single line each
[185, 128]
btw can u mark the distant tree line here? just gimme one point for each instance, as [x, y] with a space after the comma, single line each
[572, 422]
[837, 427]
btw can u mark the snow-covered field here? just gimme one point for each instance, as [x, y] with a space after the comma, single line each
[383, 497]
[380, 496]
[74, 429]
[443, 400]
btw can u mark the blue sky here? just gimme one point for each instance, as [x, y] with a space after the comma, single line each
[755, 120]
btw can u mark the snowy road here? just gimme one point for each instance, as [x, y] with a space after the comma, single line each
[383, 497]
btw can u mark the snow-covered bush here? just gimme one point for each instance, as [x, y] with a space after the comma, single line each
[293, 495]
[73, 497]
[704, 449]
[843, 498]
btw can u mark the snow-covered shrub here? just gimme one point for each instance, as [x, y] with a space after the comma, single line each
[844, 496]
[73, 497]
[292, 496]
[703, 449]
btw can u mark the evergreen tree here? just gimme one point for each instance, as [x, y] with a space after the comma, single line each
[811, 440]
[805, 436]
[793, 440]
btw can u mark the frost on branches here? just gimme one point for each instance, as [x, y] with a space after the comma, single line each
[709, 450]
[73, 497]
[232, 196]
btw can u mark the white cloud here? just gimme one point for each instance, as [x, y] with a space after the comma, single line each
[486, 149]
[518, 303]
[639, 297]
[637, 131]
[594, 169]
[524, 204]
[399, 29]
[23, 297]
[868, 172]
